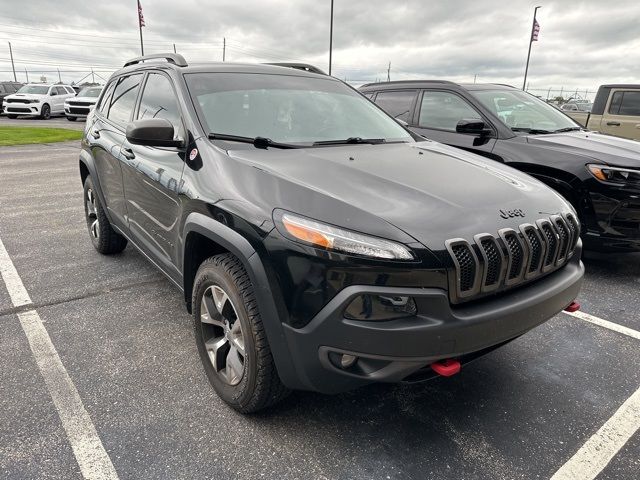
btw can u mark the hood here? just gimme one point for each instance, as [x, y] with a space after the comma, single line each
[430, 191]
[596, 146]
[26, 95]
[82, 99]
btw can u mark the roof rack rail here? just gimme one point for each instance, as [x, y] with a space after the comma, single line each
[174, 58]
[405, 82]
[299, 66]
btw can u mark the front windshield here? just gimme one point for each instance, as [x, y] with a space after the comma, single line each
[93, 92]
[37, 89]
[522, 112]
[288, 108]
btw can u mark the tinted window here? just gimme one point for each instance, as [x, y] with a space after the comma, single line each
[70, 90]
[630, 104]
[443, 110]
[61, 91]
[615, 103]
[124, 98]
[2, 90]
[397, 104]
[159, 100]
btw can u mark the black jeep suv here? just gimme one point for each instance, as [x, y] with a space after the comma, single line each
[318, 244]
[599, 174]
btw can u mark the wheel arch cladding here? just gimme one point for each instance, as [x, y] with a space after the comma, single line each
[205, 232]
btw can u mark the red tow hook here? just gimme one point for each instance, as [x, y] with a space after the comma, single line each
[446, 367]
[573, 307]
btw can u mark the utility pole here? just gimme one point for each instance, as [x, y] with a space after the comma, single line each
[389, 73]
[174, 48]
[26, 73]
[59, 77]
[224, 48]
[12, 65]
[475, 77]
[531, 40]
[140, 25]
[93, 78]
[331, 39]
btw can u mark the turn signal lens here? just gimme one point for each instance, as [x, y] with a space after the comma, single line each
[333, 238]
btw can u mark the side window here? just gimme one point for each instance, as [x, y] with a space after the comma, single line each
[124, 98]
[397, 104]
[70, 90]
[630, 104]
[61, 91]
[443, 110]
[52, 91]
[616, 100]
[2, 89]
[106, 98]
[159, 101]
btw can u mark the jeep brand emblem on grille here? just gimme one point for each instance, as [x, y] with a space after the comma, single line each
[516, 212]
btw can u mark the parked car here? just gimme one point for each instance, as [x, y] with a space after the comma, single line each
[79, 106]
[7, 88]
[598, 174]
[38, 99]
[578, 110]
[318, 244]
[616, 111]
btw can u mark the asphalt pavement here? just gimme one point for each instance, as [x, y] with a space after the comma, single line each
[124, 338]
[31, 121]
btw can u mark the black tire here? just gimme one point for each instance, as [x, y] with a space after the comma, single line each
[104, 238]
[72, 119]
[45, 112]
[259, 386]
[12, 117]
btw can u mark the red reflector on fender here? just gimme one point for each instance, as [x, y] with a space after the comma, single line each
[573, 307]
[446, 367]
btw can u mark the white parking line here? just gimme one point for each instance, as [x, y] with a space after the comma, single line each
[92, 458]
[606, 324]
[598, 451]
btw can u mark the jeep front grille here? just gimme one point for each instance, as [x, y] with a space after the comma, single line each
[512, 257]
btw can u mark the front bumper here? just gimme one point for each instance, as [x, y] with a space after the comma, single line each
[402, 349]
[616, 222]
[75, 111]
[22, 108]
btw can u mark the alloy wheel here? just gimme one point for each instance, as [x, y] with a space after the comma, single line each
[222, 334]
[92, 214]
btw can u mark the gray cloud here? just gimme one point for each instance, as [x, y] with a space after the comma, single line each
[582, 44]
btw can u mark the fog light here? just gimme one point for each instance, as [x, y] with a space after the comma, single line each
[347, 360]
[380, 307]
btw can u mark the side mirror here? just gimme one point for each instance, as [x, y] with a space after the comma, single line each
[473, 127]
[152, 132]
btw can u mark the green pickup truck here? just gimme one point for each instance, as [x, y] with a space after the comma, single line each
[615, 111]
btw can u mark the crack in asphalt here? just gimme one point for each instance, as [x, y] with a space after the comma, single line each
[92, 294]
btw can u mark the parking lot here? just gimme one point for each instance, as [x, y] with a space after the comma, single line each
[125, 339]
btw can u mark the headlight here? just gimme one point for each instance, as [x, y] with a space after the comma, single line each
[326, 236]
[615, 174]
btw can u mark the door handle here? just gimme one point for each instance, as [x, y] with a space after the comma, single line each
[613, 124]
[128, 153]
[96, 133]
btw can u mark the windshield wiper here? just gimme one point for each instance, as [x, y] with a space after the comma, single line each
[351, 140]
[532, 131]
[568, 129]
[258, 142]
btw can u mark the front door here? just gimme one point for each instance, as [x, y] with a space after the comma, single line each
[152, 177]
[438, 115]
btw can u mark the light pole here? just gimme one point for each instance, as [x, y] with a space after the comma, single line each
[531, 40]
[331, 38]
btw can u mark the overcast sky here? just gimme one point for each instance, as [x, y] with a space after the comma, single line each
[582, 44]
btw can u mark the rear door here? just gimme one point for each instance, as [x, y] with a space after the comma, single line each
[438, 114]
[57, 102]
[397, 103]
[622, 115]
[152, 177]
[106, 135]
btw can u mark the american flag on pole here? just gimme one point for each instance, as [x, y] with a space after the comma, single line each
[140, 15]
[534, 32]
